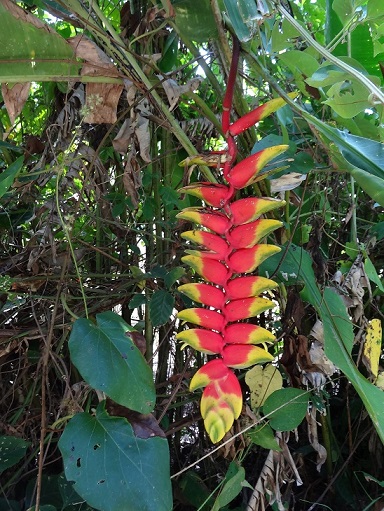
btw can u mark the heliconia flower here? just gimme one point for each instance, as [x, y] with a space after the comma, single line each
[202, 340]
[221, 402]
[251, 285]
[249, 209]
[208, 268]
[247, 235]
[245, 172]
[222, 257]
[208, 240]
[246, 260]
[204, 293]
[257, 115]
[215, 221]
[219, 408]
[240, 356]
[212, 194]
[203, 317]
[211, 371]
[245, 308]
[246, 333]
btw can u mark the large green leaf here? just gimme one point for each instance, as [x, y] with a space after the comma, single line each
[109, 361]
[30, 50]
[195, 20]
[338, 328]
[357, 153]
[243, 16]
[112, 469]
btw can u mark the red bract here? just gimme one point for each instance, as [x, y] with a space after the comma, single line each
[225, 252]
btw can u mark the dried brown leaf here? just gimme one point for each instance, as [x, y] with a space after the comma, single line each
[142, 130]
[173, 90]
[287, 182]
[96, 62]
[102, 100]
[15, 97]
[143, 425]
[124, 137]
[314, 439]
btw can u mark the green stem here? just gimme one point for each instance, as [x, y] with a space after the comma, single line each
[327, 443]
[376, 93]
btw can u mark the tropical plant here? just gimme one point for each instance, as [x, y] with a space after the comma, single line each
[111, 141]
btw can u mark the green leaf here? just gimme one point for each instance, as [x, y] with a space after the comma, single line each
[286, 408]
[301, 64]
[161, 307]
[243, 16]
[372, 185]
[344, 9]
[31, 50]
[112, 469]
[9, 175]
[169, 55]
[173, 276]
[234, 478]
[296, 267]
[12, 450]
[338, 334]
[348, 98]
[371, 273]
[195, 20]
[68, 494]
[264, 436]
[109, 361]
[338, 329]
[137, 300]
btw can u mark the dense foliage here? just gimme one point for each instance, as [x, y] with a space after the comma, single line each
[109, 108]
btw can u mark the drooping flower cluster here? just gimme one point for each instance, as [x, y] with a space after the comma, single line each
[228, 253]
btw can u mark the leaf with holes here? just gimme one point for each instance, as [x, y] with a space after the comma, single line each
[161, 307]
[112, 469]
[109, 361]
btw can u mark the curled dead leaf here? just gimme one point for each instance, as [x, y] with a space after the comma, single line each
[15, 97]
[143, 425]
[287, 182]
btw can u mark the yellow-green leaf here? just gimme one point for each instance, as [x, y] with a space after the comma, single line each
[372, 346]
[262, 381]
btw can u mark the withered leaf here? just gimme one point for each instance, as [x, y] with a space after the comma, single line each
[14, 98]
[143, 425]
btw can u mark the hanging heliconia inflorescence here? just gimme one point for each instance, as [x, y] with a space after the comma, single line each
[231, 250]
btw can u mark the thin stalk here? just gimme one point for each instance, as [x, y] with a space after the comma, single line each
[327, 443]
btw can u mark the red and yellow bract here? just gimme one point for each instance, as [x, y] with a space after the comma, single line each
[228, 249]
